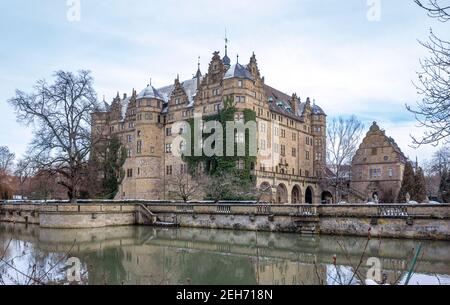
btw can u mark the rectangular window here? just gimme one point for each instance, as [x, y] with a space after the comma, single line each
[169, 170]
[240, 83]
[240, 165]
[129, 153]
[294, 136]
[129, 173]
[307, 155]
[294, 152]
[283, 150]
[239, 99]
[262, 145]
[139, 147]
[168, 148]
[375, 172]
[168, 132]
[318, 156]
[262, 127]
[390, 173]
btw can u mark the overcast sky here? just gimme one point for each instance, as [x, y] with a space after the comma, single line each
[333, 51]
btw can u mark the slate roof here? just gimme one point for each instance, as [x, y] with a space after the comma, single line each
[238, 71]
[150, 92]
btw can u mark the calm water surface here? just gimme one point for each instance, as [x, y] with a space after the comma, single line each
[145, 255]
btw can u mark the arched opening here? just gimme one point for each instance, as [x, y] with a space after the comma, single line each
[266, 192]
[309, 195]
[282, 194]
[327, 197]
[296, 195]
[375, 197]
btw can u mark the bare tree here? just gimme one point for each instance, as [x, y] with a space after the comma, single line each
[440, 162]
[23, 171]
[343, 137]
[436, 9]
[61, 113]
[6, 159]
[433, 111]
[186, 186]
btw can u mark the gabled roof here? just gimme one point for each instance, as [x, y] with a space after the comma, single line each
[375, 129]
[189, 86]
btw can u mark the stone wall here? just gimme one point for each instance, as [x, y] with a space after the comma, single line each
[396, 221]
[69, 216]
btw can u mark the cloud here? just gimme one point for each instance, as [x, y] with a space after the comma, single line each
[326, 50]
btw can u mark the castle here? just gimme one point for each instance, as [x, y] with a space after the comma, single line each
[145, 123]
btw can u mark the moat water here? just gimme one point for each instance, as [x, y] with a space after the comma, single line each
[145, 255]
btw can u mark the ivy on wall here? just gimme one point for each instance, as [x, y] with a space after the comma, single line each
[216, 166]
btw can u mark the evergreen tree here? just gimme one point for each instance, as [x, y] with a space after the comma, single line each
[113, 172]
[408, 183]
[420, 189]
[444, 189]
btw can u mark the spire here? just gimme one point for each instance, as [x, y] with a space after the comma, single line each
[226, 42]
[237, 58]
[198, 75]
[226, 60]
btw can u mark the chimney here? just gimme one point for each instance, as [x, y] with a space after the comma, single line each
[294, 103]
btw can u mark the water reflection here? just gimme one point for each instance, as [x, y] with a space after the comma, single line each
[143, 255]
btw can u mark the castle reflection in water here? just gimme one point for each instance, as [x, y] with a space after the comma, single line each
[144, 255]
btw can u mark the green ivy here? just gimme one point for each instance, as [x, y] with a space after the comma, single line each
[220, 165]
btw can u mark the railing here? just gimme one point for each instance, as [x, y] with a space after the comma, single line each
[284, 176]
[149, 214]
[306, 211]
[224, 209]
[393, 211]
[264, 209]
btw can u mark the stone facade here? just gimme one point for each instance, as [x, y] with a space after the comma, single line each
[294, 132]
[377, 167]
